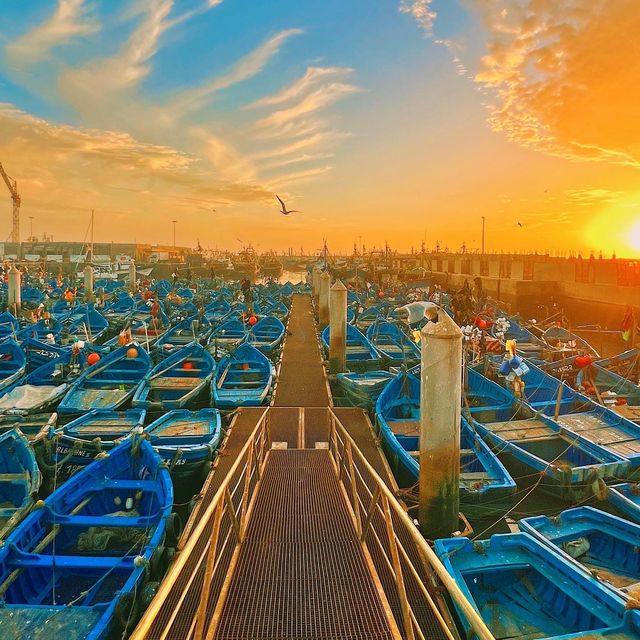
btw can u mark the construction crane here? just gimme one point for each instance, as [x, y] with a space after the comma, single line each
[12, 185]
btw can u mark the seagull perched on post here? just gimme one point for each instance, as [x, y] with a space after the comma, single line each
[283, 207]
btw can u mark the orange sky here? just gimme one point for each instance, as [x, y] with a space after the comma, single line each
[411, 123]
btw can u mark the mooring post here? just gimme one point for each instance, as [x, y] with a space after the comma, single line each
[315, 286]
[88, 283]
[323, 311]
[133, 278]
[338, 328]
[440, 397]
[14, 298]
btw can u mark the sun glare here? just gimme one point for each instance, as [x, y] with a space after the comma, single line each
[634, 236]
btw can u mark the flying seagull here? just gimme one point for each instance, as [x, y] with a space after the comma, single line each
[213, 210]
[283, 210]
[519, 224]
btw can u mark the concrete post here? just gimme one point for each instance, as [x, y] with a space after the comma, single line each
[88, 282]
[323, 310]
[132, 276]
[440, 397]
[338, 328]
[15, 291]
[315, 285]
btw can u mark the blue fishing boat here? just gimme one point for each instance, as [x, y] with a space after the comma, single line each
[34, 427]
[226, 337]
[580, 415]
[41, 329]
[625, 364]
[194, 327]
[19, 479]
[97, 431]
[531, 443]
[217, 311]
[9, 325]
[80, 567]
[118, 310]
[361, 354]
[366, 317]
[616, 392]
[266, 335]
[523, 589]
[278, 310]
[243, 379]
[109, 384]
[180, 380]
[187, 441]
[363, 389]
[603, 544]
[32, 295]
[41, 389]
[393, 343]
[88, 323]
[625, 497]
[13, 363]
[483, 478]
[528, 344]
[562, 339]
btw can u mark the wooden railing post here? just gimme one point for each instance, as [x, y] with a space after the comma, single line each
[208, 573]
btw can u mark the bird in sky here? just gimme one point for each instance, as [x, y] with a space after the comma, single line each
[519, 224]
[213, 210]
[283, 207]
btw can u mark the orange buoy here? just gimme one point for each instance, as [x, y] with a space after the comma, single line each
[92, 358]
[188, 365]
[132, 352]
[253, 320]
[245, 365]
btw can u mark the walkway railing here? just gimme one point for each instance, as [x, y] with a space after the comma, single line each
[210, 553]
[409, 570]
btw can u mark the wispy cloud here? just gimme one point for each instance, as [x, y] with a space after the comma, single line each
[246, 68]
[80, 168]
[311, 78]
[315, 140]
[322, 97]
[71, 19]
[300, 176]
[422, 11]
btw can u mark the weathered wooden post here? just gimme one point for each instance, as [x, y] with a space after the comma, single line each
[440, 398]
[88, 282]
[315, 285]
[338, 328]
[14, 299]
[325, 287]
[133, 278]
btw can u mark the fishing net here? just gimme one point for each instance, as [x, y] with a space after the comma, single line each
[45, 623]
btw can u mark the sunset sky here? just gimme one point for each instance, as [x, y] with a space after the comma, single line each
[396, 120]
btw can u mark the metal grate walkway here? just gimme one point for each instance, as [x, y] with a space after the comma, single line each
[302, 573]
[302, 381]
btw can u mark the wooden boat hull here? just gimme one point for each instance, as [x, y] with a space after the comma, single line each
[523, 589]
[102, 528]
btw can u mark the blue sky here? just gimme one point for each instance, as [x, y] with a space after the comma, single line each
[375, 117]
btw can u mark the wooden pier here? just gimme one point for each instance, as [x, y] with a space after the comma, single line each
[298, 534]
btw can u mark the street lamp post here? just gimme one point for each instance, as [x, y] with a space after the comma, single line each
[31, 227]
